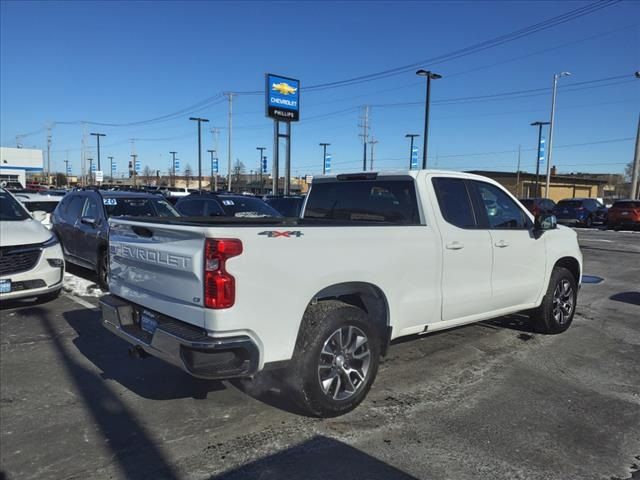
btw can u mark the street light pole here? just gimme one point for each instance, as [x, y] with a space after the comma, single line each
[324, 157]
[372, 142]
[635, 167]
[98, 135]
[261, 149]
[199, 120]
[90, 170]
[411, 136]
[211, 182]
[553, 112]
[539, 125]
[111, 168]
[430, 76]
[173, 169]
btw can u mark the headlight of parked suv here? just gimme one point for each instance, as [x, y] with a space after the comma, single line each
[51, 242]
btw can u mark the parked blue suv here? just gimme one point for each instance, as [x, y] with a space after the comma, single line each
[81, 222]
[584, 212]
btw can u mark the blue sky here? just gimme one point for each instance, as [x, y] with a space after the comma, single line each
[124, 62]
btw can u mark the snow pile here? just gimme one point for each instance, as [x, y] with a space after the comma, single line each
[80, 286]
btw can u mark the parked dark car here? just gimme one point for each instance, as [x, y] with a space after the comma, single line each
[207, 204]
[288, 206]
[81, 223]
[624, 214]
[580, 211]
[538, 205]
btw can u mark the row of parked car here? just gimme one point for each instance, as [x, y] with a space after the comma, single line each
[587, 212]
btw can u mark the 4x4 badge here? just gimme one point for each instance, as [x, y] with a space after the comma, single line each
[276, 234]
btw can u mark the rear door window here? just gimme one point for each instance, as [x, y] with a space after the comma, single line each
[365, 201]
[455, 202]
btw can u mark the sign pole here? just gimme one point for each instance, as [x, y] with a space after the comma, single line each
[287, 165]
[276, 156]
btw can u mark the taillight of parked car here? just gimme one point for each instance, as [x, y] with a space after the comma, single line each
[219, 285]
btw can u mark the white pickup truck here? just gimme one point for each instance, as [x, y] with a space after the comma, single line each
[374, 257]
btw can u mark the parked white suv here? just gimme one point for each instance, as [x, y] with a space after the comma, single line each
[374, 257]
[31, 260]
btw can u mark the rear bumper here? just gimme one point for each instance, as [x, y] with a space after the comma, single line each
[185, 346]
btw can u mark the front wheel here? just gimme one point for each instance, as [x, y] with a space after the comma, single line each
[555, 313]
[336, 359]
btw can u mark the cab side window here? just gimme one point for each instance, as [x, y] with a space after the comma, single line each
[501, 211]
[72, 213]
[91, 209]
[455, 202]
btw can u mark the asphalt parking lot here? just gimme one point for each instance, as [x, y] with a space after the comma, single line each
[486, 401]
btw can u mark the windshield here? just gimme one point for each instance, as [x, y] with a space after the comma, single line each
[44, 206]
[288, 207]
[247, 207]
[139, 207]
[626, 204]
[10, 208]
[569, 204]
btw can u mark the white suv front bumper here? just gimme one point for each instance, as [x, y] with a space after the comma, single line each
[40, 279]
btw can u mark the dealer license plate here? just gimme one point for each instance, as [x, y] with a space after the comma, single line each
[148, 323]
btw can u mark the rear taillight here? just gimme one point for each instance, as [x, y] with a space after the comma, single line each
[219, 286]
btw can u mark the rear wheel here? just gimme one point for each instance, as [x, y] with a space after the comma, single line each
[555, 313]
[336, 359]
[103, 270]
[589, 222]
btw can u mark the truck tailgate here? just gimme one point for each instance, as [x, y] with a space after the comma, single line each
[159, 267]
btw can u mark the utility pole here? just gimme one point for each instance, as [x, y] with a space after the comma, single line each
[66, 167]
[411, 136]
[553, 112]
[324, 157]
[636, 163]
[260, 162]
[173, 168]
[98, 135]
[430, 76]
[48, 153]
[539, 125]
[365, 136]
[199, 120]
[230, 138]
[518, 174]
[111, 168]
[372, 143]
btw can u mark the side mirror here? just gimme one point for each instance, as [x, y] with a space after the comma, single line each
[39, 215]
[546, 221]
[88, 221]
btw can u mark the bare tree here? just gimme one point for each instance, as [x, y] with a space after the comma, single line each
[238, 170]
[147, 173]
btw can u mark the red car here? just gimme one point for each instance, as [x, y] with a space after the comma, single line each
[624, 214]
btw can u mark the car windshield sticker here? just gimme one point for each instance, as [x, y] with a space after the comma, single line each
[109, 201]
[227, 202]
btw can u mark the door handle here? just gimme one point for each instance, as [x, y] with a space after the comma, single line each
[501, 244]
[454, 246]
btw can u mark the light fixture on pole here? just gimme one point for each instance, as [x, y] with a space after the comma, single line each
[553, 111]
[199, 120]
[324, 157]
[98, 135]
[411, 136]
[430, 76]
[539, 125]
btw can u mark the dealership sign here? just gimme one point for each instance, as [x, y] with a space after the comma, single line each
[282, 98]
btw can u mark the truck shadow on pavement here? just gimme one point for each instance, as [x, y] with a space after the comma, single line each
[133, 449]
[318, 458]
[517, 321]
[632, 298]
[149, 378]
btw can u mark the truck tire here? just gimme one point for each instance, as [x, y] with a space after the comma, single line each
[335, 360]
[555, 313]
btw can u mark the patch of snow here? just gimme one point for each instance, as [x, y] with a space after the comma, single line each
[80, 286]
